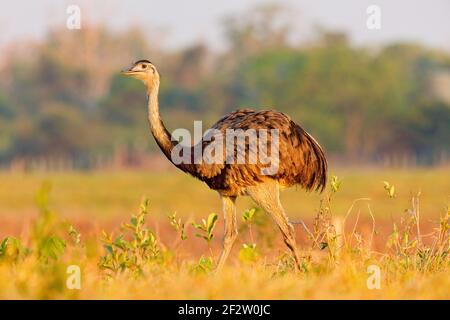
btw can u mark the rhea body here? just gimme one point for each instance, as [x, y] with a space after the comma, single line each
[301, 161]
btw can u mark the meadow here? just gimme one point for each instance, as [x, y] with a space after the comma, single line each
[136, 234]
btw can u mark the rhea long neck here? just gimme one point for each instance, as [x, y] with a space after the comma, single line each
[159, 131]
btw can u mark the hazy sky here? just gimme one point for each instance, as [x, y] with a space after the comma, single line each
[184, 21]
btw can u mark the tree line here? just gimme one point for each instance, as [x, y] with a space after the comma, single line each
[63, 97]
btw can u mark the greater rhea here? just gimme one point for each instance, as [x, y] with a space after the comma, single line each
[301, 161]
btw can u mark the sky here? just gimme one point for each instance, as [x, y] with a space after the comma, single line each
[182, 22]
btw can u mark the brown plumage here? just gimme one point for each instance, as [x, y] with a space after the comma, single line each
[301, 160]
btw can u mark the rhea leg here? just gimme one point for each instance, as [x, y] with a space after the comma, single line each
[267, 196]
[231, 232]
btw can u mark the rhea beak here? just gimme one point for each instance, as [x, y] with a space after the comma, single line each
[127, 73]
[132, 73]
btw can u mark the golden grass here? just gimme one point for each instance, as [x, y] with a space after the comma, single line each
[113, 194]
[342, 244]
[235, 282]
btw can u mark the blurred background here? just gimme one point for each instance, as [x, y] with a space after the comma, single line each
[77, 156]
[371, 97]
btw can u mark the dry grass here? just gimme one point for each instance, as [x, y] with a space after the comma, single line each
[403, 232]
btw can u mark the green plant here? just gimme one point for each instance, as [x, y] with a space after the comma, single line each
[134, 254]
[204, 265]
[324, 235]
[248, 215]
[390, 189]
[335, 184]
[248, 253]
[12, 249]
[206, 228]
[51, 247]
[178, 225]
[47, 229]
[407, 251]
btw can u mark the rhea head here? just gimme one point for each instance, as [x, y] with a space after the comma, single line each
[145, 71]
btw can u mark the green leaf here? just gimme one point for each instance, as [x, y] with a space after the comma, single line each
[389, 188]
[212, 219]
[248, 215]
[11, 247]
[323, 245]
[248, 253]
[109, 248]
[335, 183]
[52, 247]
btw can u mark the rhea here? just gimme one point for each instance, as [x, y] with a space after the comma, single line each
[300, 161]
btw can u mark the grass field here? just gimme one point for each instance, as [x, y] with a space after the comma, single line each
[53, 220]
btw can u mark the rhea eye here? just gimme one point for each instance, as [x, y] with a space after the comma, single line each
[144, 66]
